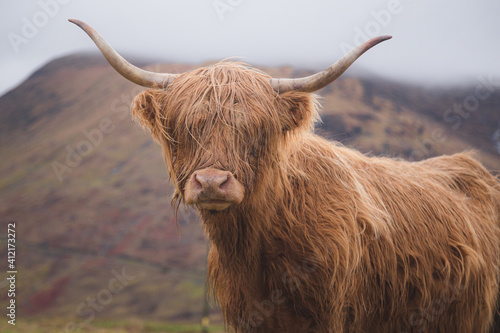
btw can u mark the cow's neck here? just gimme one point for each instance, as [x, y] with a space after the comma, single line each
[235, 263]
[237, 239]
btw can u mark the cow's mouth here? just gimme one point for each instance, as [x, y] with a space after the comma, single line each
[216, 205]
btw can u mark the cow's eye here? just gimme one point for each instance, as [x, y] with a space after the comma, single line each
[252, 153]
[252, 157]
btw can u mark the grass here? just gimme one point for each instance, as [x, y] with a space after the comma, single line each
[110, 326]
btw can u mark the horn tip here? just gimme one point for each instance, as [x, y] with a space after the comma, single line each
[79, 23]
[374, 41]
[381, 38]
[84, 26]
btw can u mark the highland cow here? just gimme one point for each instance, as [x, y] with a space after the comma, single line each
[310, 236]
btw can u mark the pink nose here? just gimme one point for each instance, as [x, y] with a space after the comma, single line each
[213, 189]
[212, 181]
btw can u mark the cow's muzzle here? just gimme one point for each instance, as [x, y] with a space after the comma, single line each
[213, 189]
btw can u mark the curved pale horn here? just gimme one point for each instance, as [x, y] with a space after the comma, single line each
[122, 66]
[322, 79]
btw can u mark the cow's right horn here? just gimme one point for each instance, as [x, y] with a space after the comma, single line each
[122, 66]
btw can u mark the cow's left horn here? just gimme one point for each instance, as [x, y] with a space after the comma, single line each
[322, 79]
[122, 66]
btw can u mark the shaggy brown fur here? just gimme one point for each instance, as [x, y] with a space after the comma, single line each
[327, 239]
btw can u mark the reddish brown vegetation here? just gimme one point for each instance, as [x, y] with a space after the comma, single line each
[327, 239]
[42, 300]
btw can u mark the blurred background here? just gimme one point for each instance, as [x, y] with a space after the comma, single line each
[97, 246]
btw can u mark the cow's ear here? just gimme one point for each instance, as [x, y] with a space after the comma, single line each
[297, 110]
[147, 111]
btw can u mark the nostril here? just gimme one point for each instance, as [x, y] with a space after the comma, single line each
[225, 181]
[197, 181]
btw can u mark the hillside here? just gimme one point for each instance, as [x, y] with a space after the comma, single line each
[89, 206]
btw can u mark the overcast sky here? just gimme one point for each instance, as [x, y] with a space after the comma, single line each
[437, 42]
